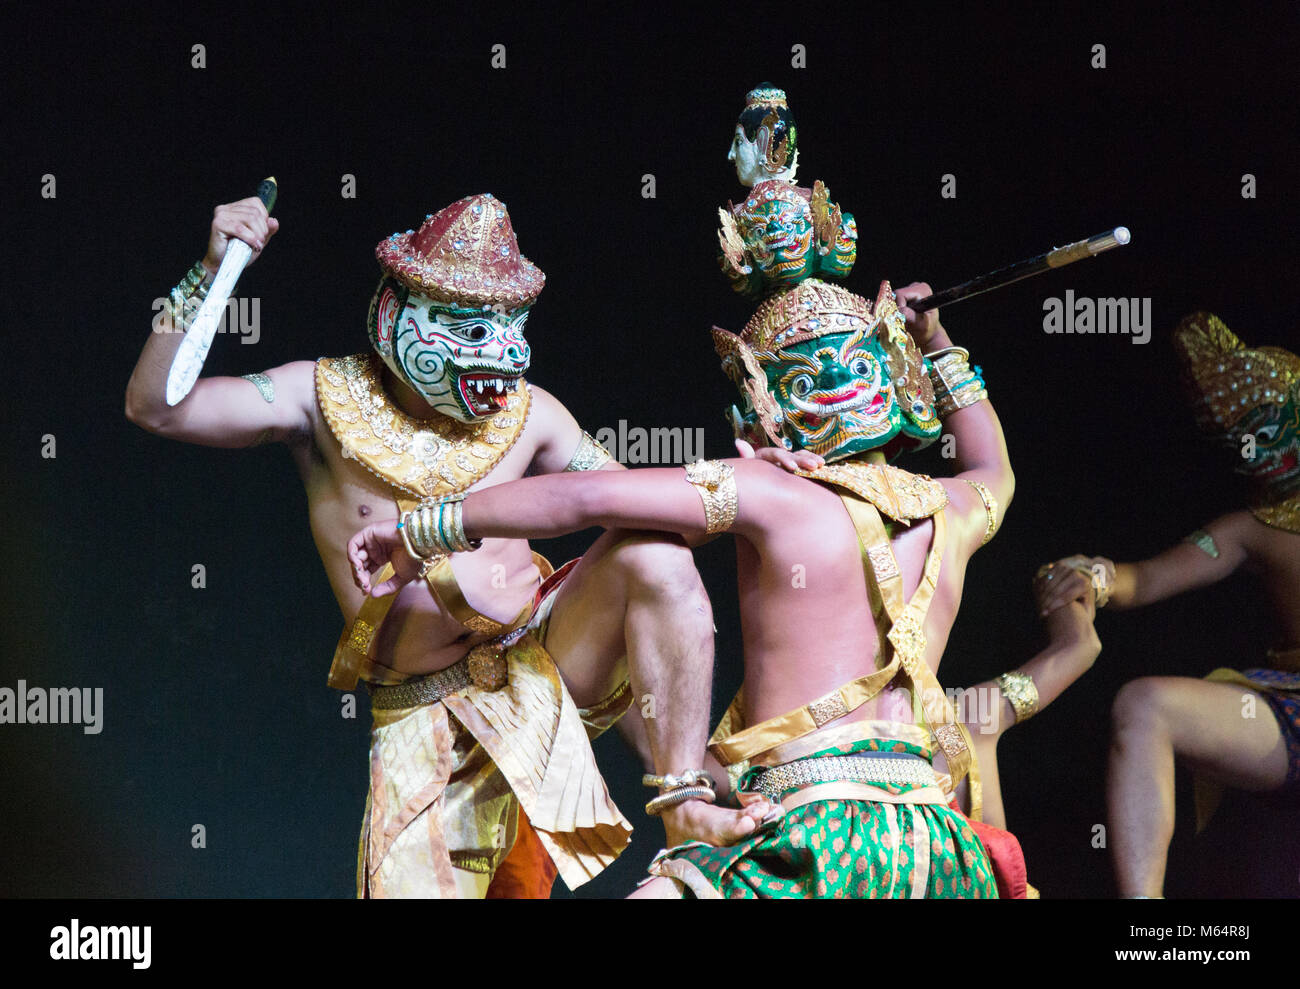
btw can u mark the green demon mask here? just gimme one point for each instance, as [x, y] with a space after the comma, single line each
[822, 369]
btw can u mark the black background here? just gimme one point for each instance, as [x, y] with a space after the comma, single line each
[216, 706]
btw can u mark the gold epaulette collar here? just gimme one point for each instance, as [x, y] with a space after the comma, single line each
[427, 458]
[897, 493]
[1284, 515]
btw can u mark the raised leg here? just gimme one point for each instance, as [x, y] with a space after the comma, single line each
[1204, 724]
[635, 606]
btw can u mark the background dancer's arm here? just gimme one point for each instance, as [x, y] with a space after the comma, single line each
[1182, 567]
[981, 449]
[221, 411]
[1072, 648]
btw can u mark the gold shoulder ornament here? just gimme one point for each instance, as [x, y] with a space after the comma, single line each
[903, 496]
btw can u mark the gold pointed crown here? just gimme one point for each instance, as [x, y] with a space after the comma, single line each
[1225, 377]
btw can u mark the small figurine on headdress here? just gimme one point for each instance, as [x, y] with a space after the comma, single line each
[781, 233]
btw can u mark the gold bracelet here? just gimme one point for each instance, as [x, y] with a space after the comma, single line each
[716, 483]
[990, 509]
[1020, 690]
[691, 777]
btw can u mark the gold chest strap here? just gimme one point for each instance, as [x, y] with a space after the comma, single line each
[906, 639]
[352, 655]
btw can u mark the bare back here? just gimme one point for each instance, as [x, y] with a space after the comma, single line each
[805, 611]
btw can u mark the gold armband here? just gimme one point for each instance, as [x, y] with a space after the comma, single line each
[1203, 541]
[990, 509]
[1019, 689]
[590, 455]
[716, 483]
[263, 383]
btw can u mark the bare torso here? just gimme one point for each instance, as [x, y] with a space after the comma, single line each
[417, 635]
[1274, 557]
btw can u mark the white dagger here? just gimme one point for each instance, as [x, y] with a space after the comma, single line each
[193, 351]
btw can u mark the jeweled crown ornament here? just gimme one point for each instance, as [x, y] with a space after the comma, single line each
[465, 254]
[822, 369]
[781, 233]
[1248, 398]
[449, 312]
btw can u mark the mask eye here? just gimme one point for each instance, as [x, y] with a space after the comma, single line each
[477, 333]
[860, 366]
[1266, 433]
[801, 385]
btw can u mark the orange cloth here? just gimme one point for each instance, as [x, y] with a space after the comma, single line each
[527, 872]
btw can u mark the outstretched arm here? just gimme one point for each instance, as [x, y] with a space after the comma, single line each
[1182, 567]
[552, 505]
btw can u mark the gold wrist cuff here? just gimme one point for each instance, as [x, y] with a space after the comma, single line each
[1020, 690]
[691, 777]
[716, 483]
[682, 794]
[590, 455]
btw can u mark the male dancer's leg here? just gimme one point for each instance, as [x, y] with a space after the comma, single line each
[635, 606]
[1200, 722]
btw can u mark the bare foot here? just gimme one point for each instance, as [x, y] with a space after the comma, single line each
[659, 888]
[695, 820]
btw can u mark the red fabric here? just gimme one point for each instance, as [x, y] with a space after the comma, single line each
[527, 872]
[1005, 856]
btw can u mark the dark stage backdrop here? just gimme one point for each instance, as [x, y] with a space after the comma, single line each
[216, 711]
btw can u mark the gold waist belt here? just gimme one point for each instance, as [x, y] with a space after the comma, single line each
[889, 770]
[485, 667]
[424, 690]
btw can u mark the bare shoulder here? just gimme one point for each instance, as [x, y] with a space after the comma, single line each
[771, 497]
[1239, 528]
[295, 383]
[546, 413]
[297, 376]
[1257, 538]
